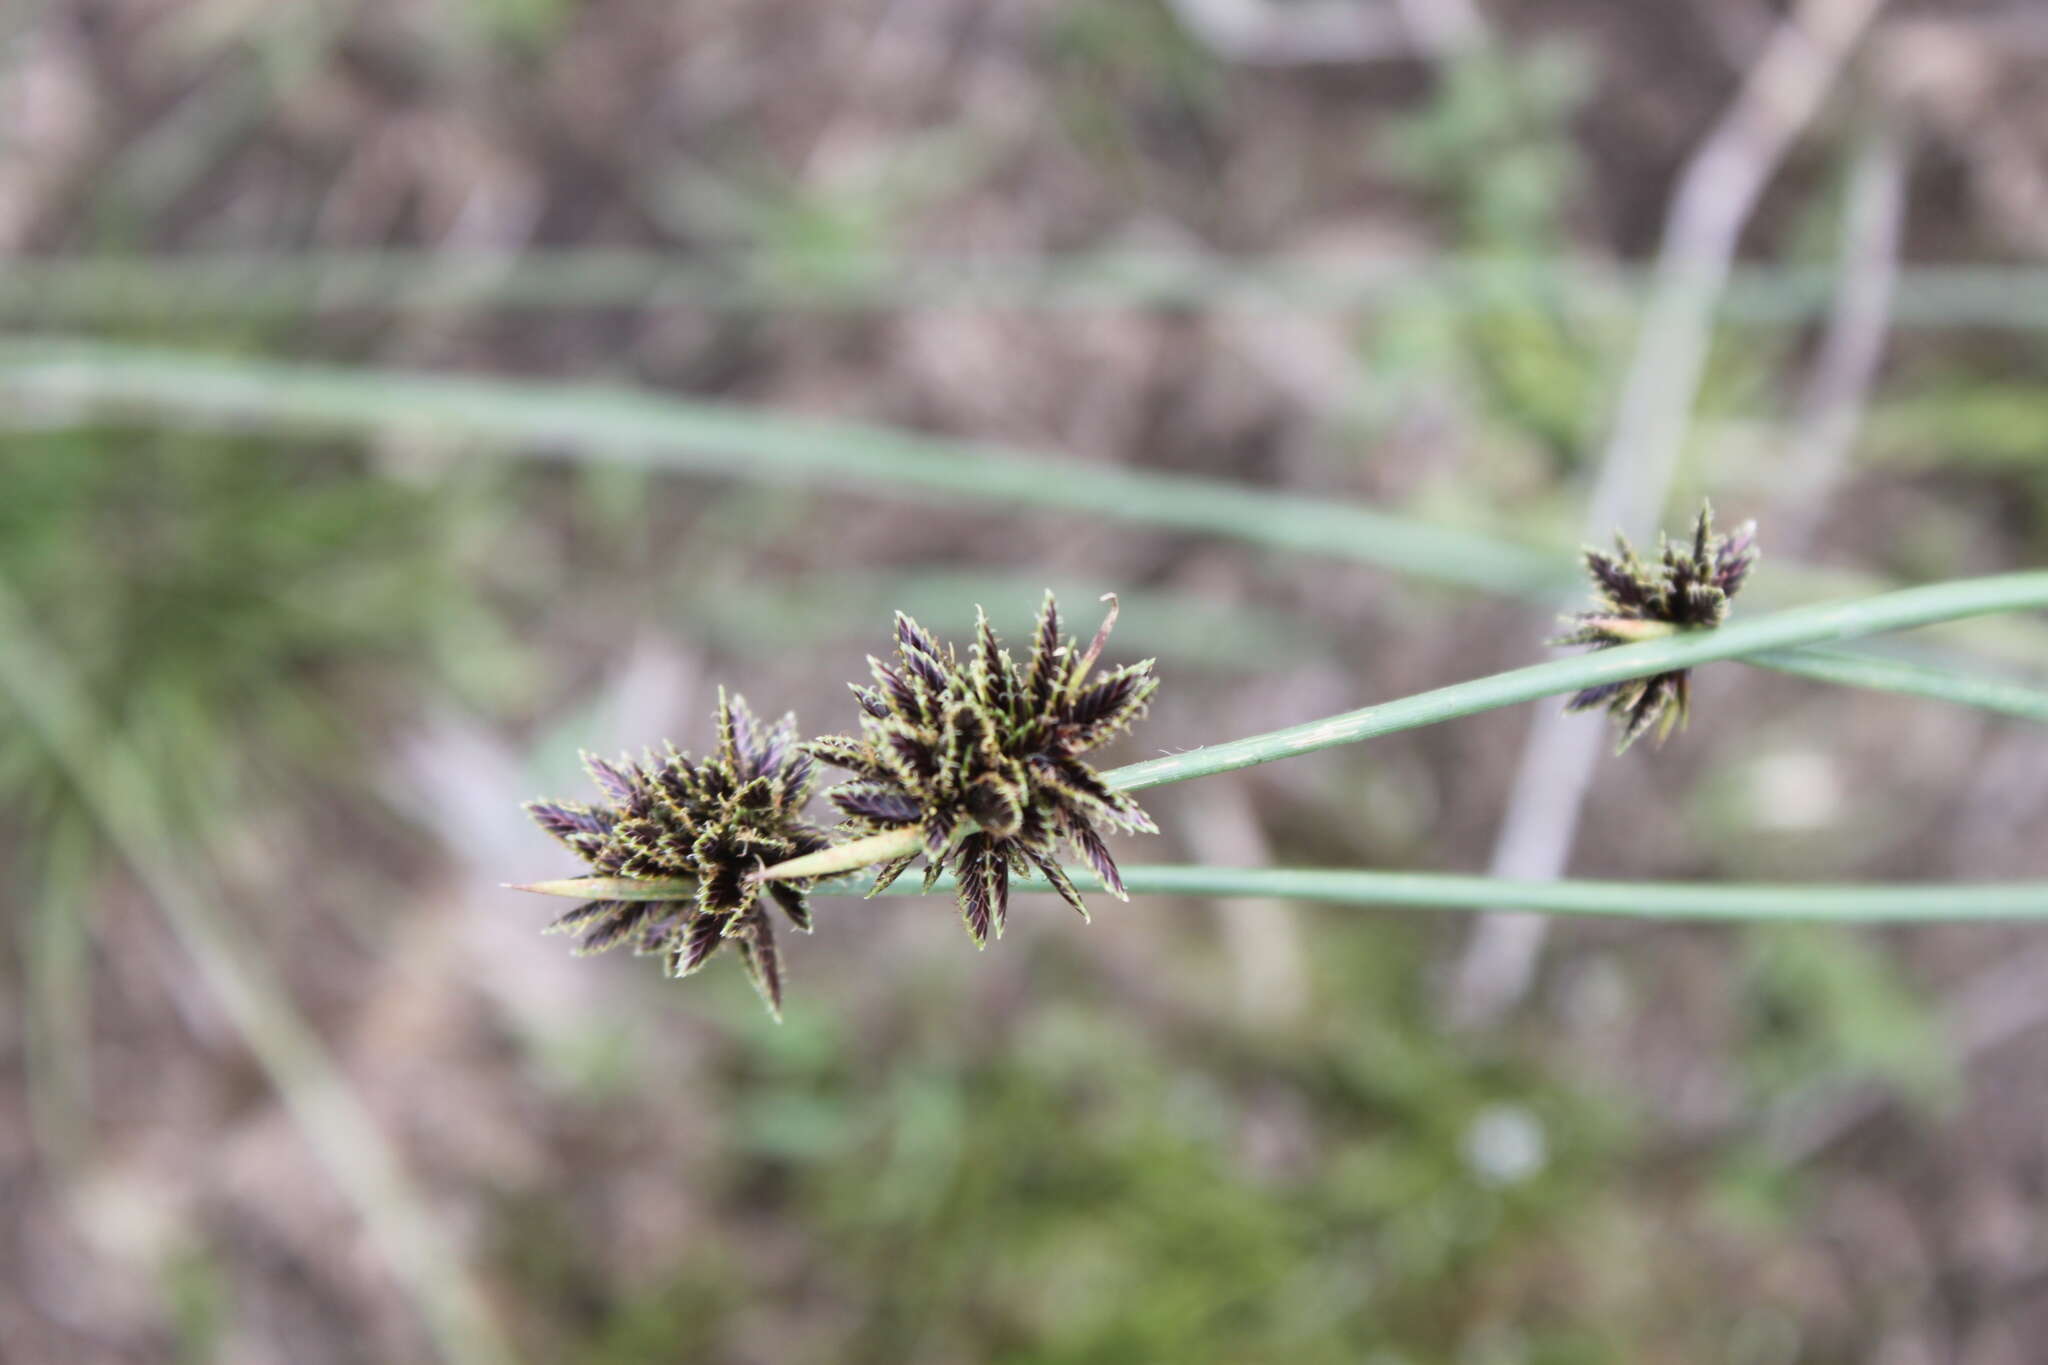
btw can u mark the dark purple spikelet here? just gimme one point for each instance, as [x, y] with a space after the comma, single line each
[1687, 588]
[714, 821]
[983, 755]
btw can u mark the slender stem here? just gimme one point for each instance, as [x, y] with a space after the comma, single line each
[1908, 677]
[1454, 891]
[1782, 630]
[1637, 900]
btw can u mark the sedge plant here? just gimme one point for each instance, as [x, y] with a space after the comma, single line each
[974, 761]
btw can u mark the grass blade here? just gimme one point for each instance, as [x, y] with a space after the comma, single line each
[110, 288]
[708, 438]
[344, 1136]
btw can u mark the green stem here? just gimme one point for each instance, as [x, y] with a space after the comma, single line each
[1453, 891]
[1908, 678]
[1636, 900]
[1789, 629]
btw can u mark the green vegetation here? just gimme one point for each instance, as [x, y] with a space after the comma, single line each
[396, 404]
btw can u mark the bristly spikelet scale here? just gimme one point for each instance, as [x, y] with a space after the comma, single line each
[1688, 588]
[713, 821]
[982, 755]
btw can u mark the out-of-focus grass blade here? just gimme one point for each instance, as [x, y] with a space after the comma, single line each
[114, 288]
[700, 437]
[59, 1004]
[39, 685]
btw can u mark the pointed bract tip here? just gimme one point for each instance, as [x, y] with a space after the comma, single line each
[561, 886]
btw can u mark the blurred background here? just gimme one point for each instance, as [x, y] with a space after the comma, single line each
[397, 396]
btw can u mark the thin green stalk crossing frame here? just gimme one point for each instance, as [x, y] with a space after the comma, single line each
[1860, 903]
[1631, 899]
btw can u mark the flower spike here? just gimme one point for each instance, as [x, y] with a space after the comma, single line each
[710, 823]
[1687, 589]
[981, 757]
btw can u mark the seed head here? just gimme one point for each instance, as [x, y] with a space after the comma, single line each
[983, 756]
[715, 821]
[1688, 588]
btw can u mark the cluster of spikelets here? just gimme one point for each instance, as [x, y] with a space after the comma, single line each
[975, 764]
[983, 756]
[980, 757]
[1687, 588]
[713, 822]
